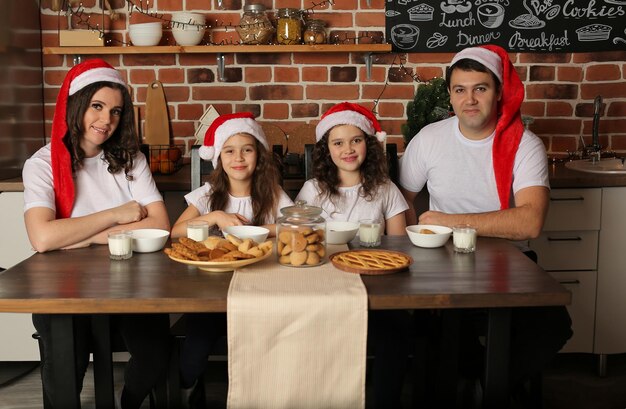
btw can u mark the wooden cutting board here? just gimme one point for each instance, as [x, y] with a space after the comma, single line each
[156, 129]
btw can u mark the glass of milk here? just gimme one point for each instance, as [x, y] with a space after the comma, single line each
[464, 238]
[120, 244]
[370, 231]
[198, 230]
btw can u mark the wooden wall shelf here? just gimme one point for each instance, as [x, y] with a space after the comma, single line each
[222, 49]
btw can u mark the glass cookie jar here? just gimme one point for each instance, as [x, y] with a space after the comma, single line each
[301, 236]
[289, 26]
[255, 27]
[314, 32]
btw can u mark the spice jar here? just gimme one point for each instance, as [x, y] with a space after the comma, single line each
[255, 27]
[289, 26]
[314, 32]
[301, 236]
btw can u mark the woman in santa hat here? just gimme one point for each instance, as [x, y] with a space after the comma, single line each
[244, 188]
[91, 178]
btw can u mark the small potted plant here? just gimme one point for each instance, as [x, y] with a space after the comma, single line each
[430, 104]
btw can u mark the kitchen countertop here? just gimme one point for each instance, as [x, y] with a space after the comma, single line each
[560, 177]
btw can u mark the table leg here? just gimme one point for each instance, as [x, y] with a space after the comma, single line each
[496, 392]
[62, 358]
[102, 361]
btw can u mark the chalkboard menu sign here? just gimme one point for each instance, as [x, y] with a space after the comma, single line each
[516, 25]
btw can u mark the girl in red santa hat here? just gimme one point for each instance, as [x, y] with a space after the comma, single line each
[90, 179]
[351, 181]
[244, 188]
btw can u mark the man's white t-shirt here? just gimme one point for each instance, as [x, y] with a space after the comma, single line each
[241, 205]
[352, 206]
[96, 189]
[459, 171]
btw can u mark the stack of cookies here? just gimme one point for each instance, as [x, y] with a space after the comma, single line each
[217, 249]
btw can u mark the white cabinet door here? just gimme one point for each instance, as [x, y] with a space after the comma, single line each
[14, 244]
[611, 296]
[582, 284]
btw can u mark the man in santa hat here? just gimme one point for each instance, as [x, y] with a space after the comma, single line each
[483, 169]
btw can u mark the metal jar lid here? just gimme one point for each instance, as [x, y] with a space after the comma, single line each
[257, 8]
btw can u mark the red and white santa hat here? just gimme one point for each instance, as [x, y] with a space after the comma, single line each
[509, 128]
[81, 75]
[347, 113]
[225, 126]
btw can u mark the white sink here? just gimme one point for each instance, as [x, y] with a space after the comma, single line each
[603, 166]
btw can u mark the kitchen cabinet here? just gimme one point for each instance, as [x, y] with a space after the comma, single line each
[16, 343]
[582, 246]
[568, 249]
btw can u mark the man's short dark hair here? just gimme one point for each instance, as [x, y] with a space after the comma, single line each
[467, 64]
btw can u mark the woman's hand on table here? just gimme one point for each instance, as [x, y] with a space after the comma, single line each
[223, 219]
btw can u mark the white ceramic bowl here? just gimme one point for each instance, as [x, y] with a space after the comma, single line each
[428, 240]
[189, 36]
[149, 240]
[256, 233]
[341, 232]
[185, 30]
[145, 34]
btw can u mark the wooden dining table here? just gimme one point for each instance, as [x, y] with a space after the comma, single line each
[496, 277]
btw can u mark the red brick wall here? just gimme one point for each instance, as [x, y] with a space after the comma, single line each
[291, 89]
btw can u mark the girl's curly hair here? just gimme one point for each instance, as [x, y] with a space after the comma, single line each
[120, 149]
[265, 190]
[374, 170]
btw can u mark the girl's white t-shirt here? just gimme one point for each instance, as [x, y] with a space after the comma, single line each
[352, 206]
[199, 198]
[96, 189]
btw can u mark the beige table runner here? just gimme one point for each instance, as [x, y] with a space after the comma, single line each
[296, 337]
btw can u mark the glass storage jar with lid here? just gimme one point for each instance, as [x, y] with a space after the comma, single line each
[255, 27]
[301, 236]
[314, 32]
[289, 26]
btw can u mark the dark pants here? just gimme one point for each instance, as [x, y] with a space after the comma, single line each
[146, 337]
[202, 331]
[389, 339]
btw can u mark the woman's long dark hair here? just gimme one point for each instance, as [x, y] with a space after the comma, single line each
[120, 149]
[373, 170]
[265, 190]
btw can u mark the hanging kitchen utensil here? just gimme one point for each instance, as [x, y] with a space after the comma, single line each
[156, 128]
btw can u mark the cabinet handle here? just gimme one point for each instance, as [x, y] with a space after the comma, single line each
[564, 238]
[569, 282]
[567, 199]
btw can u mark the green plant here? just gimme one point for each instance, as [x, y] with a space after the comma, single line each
[430, 104]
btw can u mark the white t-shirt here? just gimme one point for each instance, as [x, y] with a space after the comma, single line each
[352, 206]
[96, 189]
[241, 205]
[459, 171]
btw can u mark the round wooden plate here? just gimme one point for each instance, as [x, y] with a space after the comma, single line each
[221, 266]
[371, 262]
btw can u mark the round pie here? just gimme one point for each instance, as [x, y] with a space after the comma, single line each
[371, 261]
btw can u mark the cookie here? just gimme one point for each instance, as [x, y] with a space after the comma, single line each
[298, 258]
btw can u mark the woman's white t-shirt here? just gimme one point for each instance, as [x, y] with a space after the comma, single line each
[96, 189]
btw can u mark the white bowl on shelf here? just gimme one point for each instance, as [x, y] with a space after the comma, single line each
[145, 34]
[188, 28]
